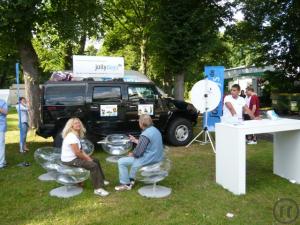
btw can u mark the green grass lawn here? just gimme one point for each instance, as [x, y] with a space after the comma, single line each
[195, 198]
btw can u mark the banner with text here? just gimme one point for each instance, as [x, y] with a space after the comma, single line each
[98, 66]
[215, 74]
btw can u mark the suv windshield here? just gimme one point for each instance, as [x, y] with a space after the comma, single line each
[161, 92]
[139, 92]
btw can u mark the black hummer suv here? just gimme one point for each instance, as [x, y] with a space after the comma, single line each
[107, 107]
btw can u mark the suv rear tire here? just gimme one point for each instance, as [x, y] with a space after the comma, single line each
[179, 132]
[57, 139]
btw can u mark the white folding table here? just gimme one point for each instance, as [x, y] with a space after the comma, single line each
[231, 151]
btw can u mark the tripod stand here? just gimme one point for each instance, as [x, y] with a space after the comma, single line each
[205, 131]
[207, 136]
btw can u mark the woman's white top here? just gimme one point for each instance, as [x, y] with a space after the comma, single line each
[67, 153]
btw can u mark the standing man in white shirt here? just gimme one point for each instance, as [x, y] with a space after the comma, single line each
[23, 117]
[234, 105]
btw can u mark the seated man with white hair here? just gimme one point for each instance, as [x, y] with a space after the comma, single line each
[149, 150]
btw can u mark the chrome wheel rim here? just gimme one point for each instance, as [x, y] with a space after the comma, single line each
[181, 132]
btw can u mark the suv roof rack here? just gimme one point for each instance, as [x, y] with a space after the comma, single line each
[129, 76]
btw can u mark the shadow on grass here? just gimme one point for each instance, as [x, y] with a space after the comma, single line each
[26, 199]
[195, 198]
[259, 170]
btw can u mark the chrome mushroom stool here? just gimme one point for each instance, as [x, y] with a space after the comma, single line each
[49, 158]
[117, 145]
[152, 174]
[87, 146]
[69, 177]
[46, 156]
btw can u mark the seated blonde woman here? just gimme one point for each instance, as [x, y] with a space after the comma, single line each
[72, 155]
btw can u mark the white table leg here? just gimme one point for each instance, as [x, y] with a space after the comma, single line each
[231, 159]
[287, 155]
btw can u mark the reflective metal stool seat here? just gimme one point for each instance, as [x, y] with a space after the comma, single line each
[117, 145]
[69, 177]
[45, 156]
[152, 174]
[49, 159]
[87, 146]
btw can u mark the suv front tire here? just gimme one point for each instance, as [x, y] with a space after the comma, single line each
[179, 132]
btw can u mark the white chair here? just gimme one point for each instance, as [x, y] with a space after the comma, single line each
[117, 145]
[152, 174]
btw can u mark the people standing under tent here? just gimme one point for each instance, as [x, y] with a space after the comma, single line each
[235, 106]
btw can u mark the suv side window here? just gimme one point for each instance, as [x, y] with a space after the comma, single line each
[60, 95]
[107, 94]
[135, 93]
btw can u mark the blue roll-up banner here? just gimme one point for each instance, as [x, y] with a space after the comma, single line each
[19, 110]
[215, 74]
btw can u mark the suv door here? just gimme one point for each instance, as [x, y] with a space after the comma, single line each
[143, 98]
[107, 112]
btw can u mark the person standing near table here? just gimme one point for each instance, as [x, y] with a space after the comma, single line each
[23, 115]
[234, 105]
[243, 94]
[3, 114]
[252, 101]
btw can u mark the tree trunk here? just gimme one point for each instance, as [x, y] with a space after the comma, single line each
[179, 86]
[82, 44]
[168, 83]
[168, 86]
[68, 56]
[29, 62]
[144, 60]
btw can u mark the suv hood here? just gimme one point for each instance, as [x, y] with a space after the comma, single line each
[183, 105]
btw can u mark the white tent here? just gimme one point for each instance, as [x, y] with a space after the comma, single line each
[4, 93]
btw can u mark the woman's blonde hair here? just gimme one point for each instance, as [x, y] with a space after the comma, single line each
[69, 128]
[145, 120]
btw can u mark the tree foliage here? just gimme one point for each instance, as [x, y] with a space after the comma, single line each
[23, 22]
[119, 43]
[128, 27]
[186, 32]
[171, 38]
[273, 25]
